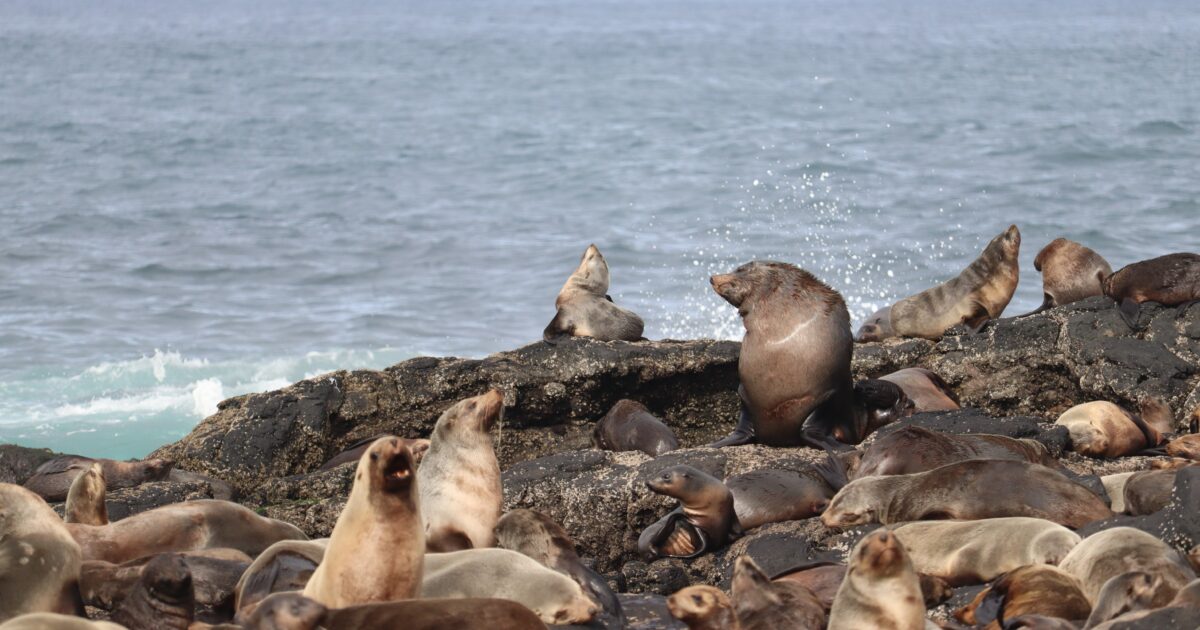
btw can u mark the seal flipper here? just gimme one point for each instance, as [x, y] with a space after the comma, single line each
[978, 318]
[1181, 312]
[1047, 304]
[832, 470]
[742, 434]
[558, 329]
[595, 584]
[1130, 311]
[992, 607]
[654, 536]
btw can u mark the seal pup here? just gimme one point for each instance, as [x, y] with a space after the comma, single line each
[1102, 429]
[436, 614]
[163, 598]
[880, 590]
[765, 605]
[460, 477]
[1111, 552]
[538, 536]
[52, 480]
[913, 449]
[977, 295]
[877, 327]
[586, 310]
[974, 552]
[39, 561]
[794, 366]
[376, 548]
[287, 565]
[926, 390]
[770, 495]
[1128, 592]
[285, 611]
[629, 426]
[703, 607]
[968, 490]
[1036, 589]
[86, 498]
[505, 574]
[186, 526]
[706, 520]
[215, 573]
[55, 621]
[1171, 280]
[417, 447]
[1070, 272]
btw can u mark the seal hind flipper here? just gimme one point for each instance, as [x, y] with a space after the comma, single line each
[1130, 312]
[557, 329]
[832, 470]
[1047, 304]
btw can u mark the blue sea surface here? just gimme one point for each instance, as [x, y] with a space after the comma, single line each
[199, 200]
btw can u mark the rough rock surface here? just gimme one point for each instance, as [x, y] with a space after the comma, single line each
[17, 463]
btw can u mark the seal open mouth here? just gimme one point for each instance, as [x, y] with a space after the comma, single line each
[397, 474]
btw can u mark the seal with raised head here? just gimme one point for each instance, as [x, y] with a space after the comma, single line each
[1102, 429]
[460, 477]
[1036, 589]
[880, 590]
[926, 390]
[162, 599]
[629, 426]
[418, 447]
[287, 565]
[86, 498]
[188, 526]
[542, 539]
[377, 546]
[771, 495]
[968, 490]
[39, 561]
[794, 366]
[586, 310]
[705, 520]
[215, 574]
[703, 607]
[52, 480]
[1070, 272]
[974, 552]
[977, 295]
[1171, 280]
[764, 605]
[1111, 552]
[505, 574]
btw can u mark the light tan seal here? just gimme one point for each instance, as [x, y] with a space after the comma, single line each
[504, 574]
[1114, 485]
[86, 498]
[55, 621]
[881, 590]
[1171, 280]
[703, 607]
[1124, 593]
[794, 366]
[586, 310]
[704, 521]
[977, 295]
[877, 327]
[39, 561]
[765, 605]
[542, 539]
[1070, 272]
[968, 490]
[926, 390]
[187, 526]
[1111, 552]
[1102, 429]
[974, 552]
[460, 477]
[52, 480]
[376, 549]
[1036, 589]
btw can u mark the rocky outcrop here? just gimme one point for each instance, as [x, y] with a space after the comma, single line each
[17, 463]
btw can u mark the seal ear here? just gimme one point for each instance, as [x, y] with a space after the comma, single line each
[832, 470]
[558, 329]
[608, 297]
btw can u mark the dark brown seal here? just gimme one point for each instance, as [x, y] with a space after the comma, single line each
[1171, 280]
[706, 520]
[418, 447]
[1070, 272]
[794, 365]
[1186, 447]
[538, 536]
[215, 574]
[913, 449]
[39, 561]
[880, 590]
[586, 310]
[977, 295]
[771, 495]
[52, 480]
[436, 614]
[765, 605]
[162, 599]
[966, 490]
[926, 390]
[703, 607]
[1036, 589]
[629, 426]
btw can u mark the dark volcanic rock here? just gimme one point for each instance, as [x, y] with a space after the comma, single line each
[17, 463]
[129, 501]
[1177, 524]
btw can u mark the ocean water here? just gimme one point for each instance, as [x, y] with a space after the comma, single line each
[199, 200]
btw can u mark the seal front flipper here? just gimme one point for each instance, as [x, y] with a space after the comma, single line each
[558, 329]
[832, 470]
[657, 534]
[978, 318]
[742, 434]
[1047, 304]
[1130, 312]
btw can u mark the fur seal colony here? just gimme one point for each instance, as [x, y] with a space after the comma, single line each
[422, 540]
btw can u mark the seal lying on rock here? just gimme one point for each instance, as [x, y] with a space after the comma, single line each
[706, 520]
[163, 598]
[215, 574]
[1148, 491]
[1102, 429]
[974, 552]
[1111, 552]
[86, 498]
[765, 605]
[52, 480]
[1036, 589]
[54, 621]
[585, 310]
[629, 426]
[703, 607]
[770, 495]
[881, 590]
[926, 390]
[39, 560]
[1170, 280]
[460, 477]
[1070, 272]
[1128, 592]
[912, 449]
[1187, 447]
[969, 490]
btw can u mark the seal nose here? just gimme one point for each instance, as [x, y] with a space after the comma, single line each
[884, 537]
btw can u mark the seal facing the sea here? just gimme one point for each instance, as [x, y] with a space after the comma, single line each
[586, 310]
[794, 365]
[706, 520]
[1171, 280]
[52, 480]
[377, 547]
[86, 498]
[1070, 272]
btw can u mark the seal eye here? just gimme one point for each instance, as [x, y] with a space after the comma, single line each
[374, 457]
[697, 599]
